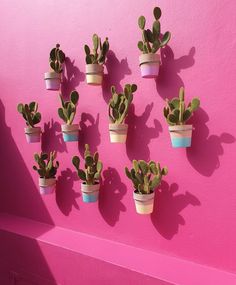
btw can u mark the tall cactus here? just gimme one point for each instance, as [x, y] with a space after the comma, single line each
[119, 103]
[93, 167]
[176, 112]
[145, 176]
[30, 113]
[99, 52]
[152, 41]
[46, 166]
[68, 110]
[56, 59]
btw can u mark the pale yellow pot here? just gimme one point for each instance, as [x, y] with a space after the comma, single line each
[118, 133]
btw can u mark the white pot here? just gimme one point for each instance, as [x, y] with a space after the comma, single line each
[118, 133]
[144, 203]
[94, 74]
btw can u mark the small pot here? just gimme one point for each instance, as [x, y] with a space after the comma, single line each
[90, 192]
[118, 133]
[144, 203]
[33, 135]
[52, 80]
[47, 185]
[70, 132]
[181, 136]
[150, 64]
[94, 74]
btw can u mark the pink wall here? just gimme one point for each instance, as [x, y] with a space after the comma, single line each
[194, 212]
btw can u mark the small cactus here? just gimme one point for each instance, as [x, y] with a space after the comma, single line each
[30, 113]
[93, 167]
[68, 110]
[145, 176]
[176, 112]
[98, 54]
[152, 41]
[119, 103]
[56, 59]
[46, 166]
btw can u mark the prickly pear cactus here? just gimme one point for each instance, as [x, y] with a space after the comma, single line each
[152, 40]
[176, 112]
[67, 110]
[56, 59]
[47, 168]
[145, 176]
[30, 113]
[93, 167]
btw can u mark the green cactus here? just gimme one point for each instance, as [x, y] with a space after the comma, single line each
[68, 110]
[56, 59]
[152, 41]
[98, 54]
[119, 103]
[46, 166]
[176, 113]
[30, 113]
[145, 176]
[93, 167]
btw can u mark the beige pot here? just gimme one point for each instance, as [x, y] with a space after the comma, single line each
[144, 203]
[52, 80]
[90, 192]
[118, 133]
[94, 74]
[33, 134]
[47, 185]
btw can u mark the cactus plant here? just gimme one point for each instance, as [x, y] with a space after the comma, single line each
[68, 109]
[145, 176]
[98, 54]
[152, 41]
[30, 113]
[46, 166]
[56, 59]
[176, 112]
[119, 103]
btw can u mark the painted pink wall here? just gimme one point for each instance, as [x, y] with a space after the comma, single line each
[194, 212]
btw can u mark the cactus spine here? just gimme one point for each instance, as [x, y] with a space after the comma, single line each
[30, 113]
[46, 166]
[68, 110]
[56, 59]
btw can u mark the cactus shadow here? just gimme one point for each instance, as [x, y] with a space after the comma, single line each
[169, 81]
[111, 194]
[65, 194]
[116, 71]
[72, 76]
[52, 138]
[89, 132]
[140, 134]
[206, 149]
[168, 205]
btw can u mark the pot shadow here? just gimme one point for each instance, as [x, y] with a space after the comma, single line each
[72, 76]
[168, 205]
[52, 138]
[116, 71]
[110, 198]
[168, 81]
[89, 132]
[139, 134]
[65, 194]
[206, 149]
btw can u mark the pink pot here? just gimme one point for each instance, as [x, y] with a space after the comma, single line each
[149, 64]
[33, 135]
[52, 80]
[47, 185]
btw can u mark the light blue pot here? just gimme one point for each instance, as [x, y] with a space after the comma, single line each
[90, 192]
[70, 132]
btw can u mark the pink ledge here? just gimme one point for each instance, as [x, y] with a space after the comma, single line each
[162, 267]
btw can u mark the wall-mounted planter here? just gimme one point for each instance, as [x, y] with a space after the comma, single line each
[144, 203]
[33, 135]
[94, 74]
[149, 65]
[90, 192]
[181, 135]
[118, 133]
[52, 80]
[47, 185]
[70, 132]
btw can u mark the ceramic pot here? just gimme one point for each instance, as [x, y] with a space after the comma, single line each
[52, 80]
[118, 133]
[70, 132]
[94, 74]
[181, 136]
[149, 64]
[90, 192]
[47, 185]
[144, 203]
[33, 135]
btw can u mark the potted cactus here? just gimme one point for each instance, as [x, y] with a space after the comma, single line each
[90, 175]
[146, 177]
[177, 114]
[67, 113]
[95, 60]
[151, 44]
[47, 170]
[32, 117]
[53, 77]
[118, 110]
